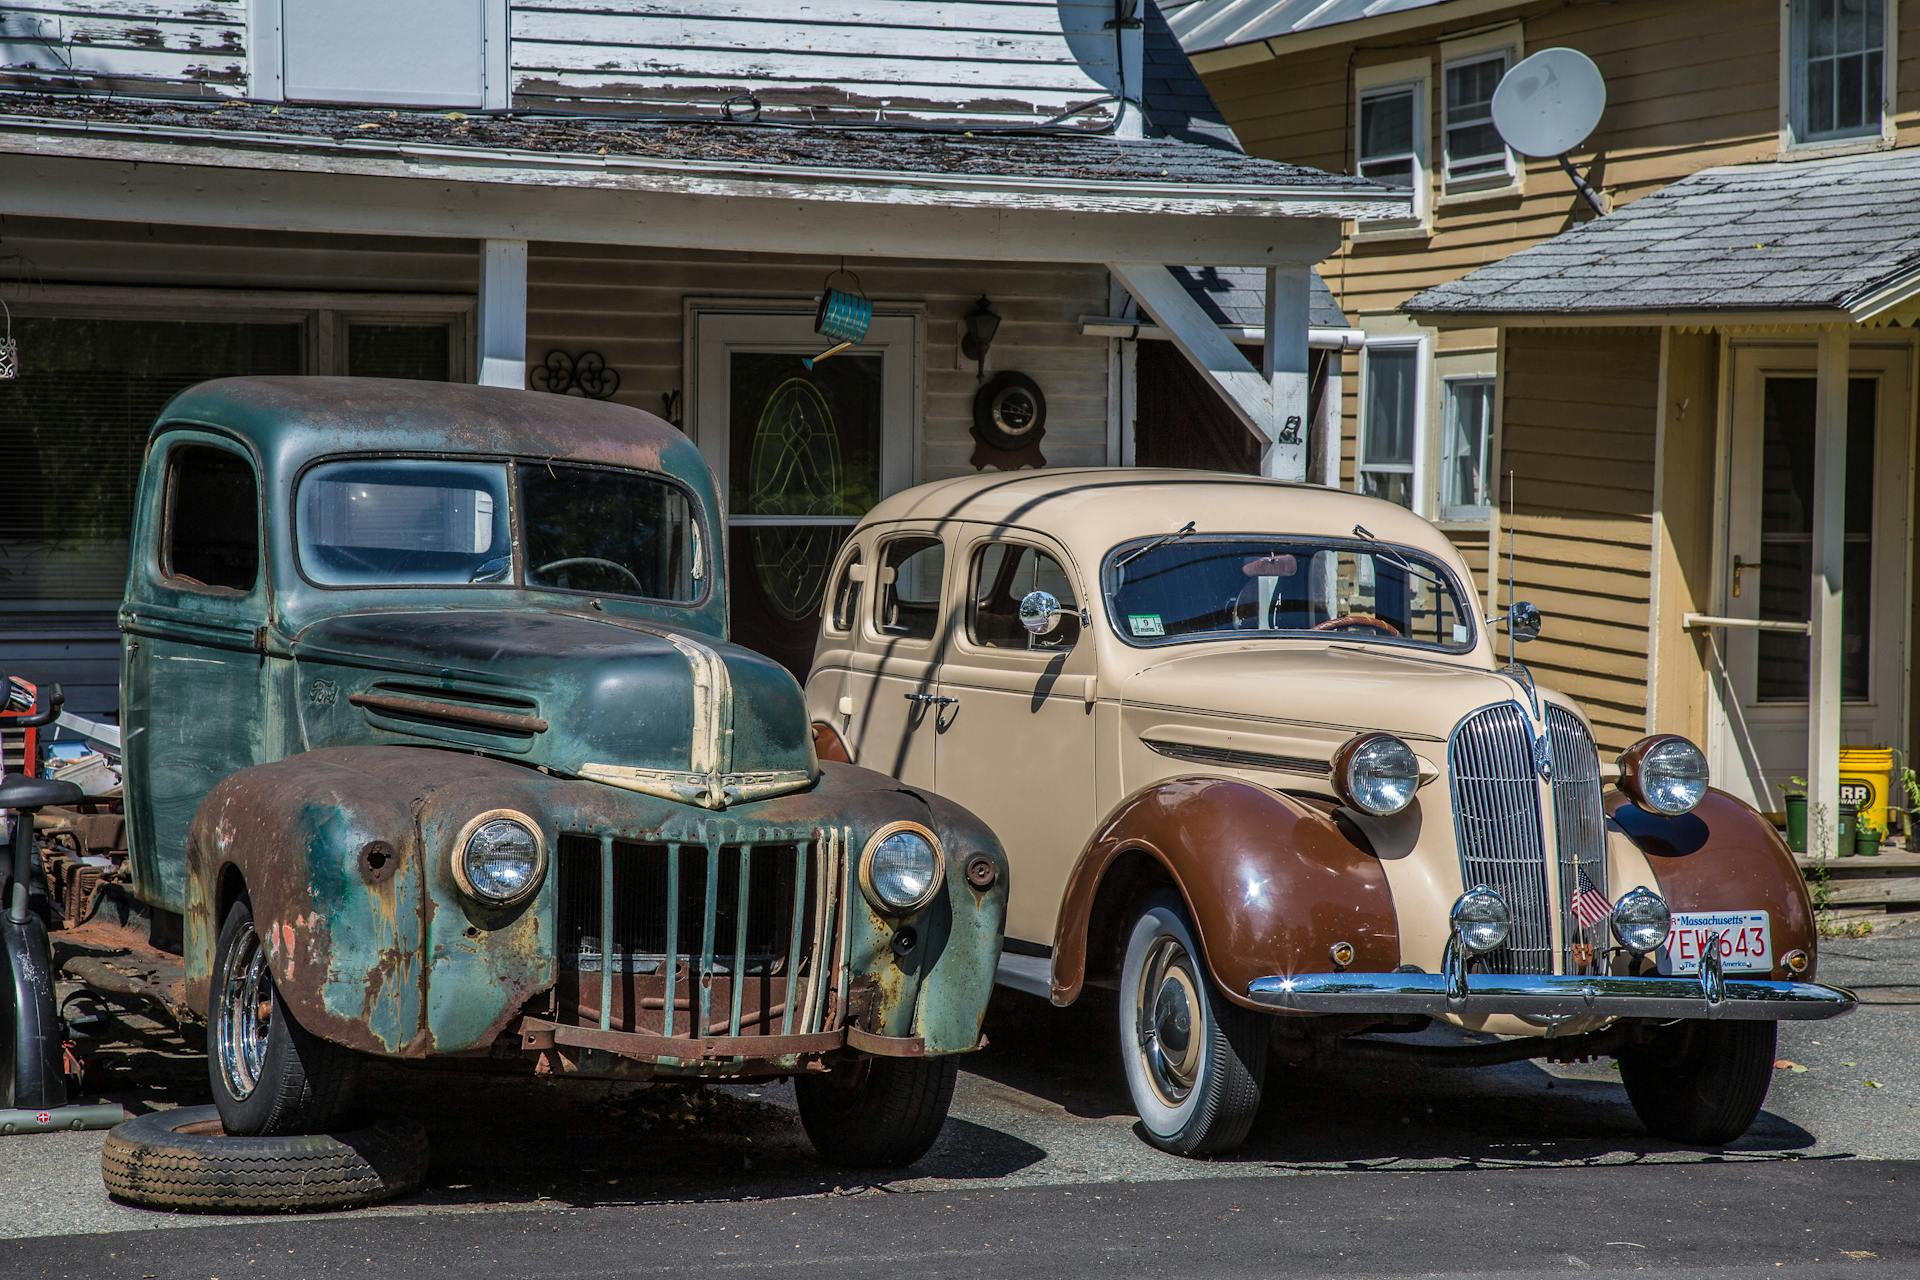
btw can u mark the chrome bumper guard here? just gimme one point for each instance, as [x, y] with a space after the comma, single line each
[1545, 995]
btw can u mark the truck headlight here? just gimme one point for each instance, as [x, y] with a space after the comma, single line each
[1376, 773]
[1664, 774]
[500, 858]
[901, 868]
[1641, 920]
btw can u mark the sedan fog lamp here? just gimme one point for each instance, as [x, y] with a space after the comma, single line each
[902, 868]
[1481, 920]
[1664, 774]
[1641, 920]
[500, 858]
[1376, 773]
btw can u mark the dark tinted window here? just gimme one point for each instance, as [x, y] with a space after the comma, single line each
[610, 532]
[213, 519]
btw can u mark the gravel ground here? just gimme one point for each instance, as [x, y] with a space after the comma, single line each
[1045, 1106]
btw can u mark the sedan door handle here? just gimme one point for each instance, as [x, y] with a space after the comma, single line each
[932, 700]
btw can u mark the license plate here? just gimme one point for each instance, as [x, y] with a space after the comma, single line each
[1746, 941]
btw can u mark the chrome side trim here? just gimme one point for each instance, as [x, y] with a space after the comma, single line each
[1551, 996]
[1197, 754]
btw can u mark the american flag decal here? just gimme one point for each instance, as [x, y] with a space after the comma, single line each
[1589, 905]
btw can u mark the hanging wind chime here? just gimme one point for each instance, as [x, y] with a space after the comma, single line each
[843, 317]
[9, 349]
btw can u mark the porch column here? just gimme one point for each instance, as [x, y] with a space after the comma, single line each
[1829, 561]
[502, 340]
[1284, 364]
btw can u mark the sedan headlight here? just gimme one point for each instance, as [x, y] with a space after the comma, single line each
[1641, 920]
[1480, 920]
[1376, 773]
[1664, 774]
[500, 858]
[902, 868]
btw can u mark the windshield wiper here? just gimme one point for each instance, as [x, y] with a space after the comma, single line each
[1165, 539]
[1394, 558]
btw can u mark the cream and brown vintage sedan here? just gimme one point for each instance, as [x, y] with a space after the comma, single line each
[1257, 766]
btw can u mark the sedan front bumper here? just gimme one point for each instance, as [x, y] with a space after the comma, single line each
[1545, 995]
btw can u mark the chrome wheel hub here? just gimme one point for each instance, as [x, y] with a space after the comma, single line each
[244, 1018]
[1170, 1021]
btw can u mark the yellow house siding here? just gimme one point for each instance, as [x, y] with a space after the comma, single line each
[1581, 449]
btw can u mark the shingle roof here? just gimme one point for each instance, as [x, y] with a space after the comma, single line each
[1215, 24]
[1174, 99]
[1783, 235]
[982, 153]
[1238, 296]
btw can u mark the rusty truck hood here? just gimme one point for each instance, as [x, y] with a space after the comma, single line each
[643, 706]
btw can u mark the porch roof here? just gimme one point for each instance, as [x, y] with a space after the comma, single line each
[1818, 241]
[1236, 297]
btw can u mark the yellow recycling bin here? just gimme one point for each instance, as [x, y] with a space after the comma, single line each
[1866, 781]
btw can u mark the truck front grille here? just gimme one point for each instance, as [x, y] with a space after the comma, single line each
[1496, 817]
[701, 939]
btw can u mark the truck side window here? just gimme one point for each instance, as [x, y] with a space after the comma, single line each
[212, 519]
[1003, 573]
[846, 596]
[910, 573]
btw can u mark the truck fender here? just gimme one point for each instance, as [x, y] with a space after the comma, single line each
[1271, 883]
[1724, 856]
[364, 932]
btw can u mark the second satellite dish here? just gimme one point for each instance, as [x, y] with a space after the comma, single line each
[1548, 103]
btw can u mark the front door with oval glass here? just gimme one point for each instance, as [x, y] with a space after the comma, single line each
[801, 452]
[1760, 740]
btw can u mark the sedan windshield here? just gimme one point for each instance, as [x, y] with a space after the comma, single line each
[445, 522]
[1240, 586]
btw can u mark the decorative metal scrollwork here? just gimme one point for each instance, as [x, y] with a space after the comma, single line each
[586, 374]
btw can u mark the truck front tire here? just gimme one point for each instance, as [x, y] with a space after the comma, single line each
[1700, 1083]
[270, 1075]
[1195, 1062]
[876, 1113]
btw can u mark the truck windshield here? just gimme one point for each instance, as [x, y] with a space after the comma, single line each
[446, 522]
[1241, 586]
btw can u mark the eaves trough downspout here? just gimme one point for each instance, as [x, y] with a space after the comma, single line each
[1335, 201]
[1148, 331]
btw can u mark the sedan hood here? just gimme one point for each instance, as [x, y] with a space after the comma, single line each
[1326, 691]
[638, 705]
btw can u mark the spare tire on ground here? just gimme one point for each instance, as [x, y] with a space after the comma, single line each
[183, 1159]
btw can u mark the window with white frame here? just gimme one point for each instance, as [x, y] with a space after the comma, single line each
[1472, 153]
[1836, 69]
[1466, 447]
[1390, 423]
[1390, 138]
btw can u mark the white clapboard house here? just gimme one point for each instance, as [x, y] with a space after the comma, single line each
[642, 200]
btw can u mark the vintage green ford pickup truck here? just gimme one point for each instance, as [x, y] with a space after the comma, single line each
[435, 740]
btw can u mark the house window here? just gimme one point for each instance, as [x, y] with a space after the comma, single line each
[425, 53]
[1466, 448]
[1390, 423]
[1390, 142]
[1837, 69]
[1471, 149]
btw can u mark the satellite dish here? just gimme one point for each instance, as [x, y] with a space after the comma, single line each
[1549, 103]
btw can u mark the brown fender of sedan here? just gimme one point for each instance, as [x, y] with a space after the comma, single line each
[1270, 882]
[829, 745]
[1724, 856]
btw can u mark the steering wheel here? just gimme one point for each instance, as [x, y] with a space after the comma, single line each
[1349, 621]
[571, 561]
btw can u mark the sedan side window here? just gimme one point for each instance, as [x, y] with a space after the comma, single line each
[846, 596]
[909, 593]
[1003, 574]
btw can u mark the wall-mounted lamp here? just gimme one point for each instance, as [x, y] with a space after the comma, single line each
[982, 324]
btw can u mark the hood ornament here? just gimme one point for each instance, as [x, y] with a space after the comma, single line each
[1543, 757]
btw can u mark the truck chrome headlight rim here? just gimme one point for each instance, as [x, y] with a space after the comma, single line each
[1641, 920]
[500, 858]
[1664, 774]
[902, 868]
[1481, 919]
[1376, 773]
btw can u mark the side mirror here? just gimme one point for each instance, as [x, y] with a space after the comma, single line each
[1523, 620]
[1039, 612]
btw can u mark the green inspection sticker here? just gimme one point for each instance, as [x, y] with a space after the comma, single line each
[1145, 624]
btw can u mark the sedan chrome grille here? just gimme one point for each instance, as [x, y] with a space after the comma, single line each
[1496, 817]
[1579, 828]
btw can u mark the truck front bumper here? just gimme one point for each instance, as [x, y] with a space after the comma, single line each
[1551, 996]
